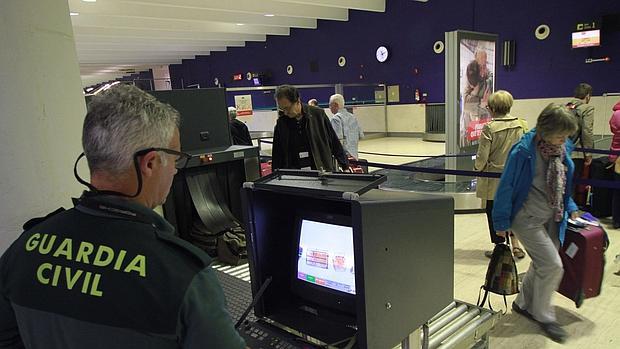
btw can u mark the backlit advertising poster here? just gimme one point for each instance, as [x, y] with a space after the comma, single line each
[477, 82]
[243, 104]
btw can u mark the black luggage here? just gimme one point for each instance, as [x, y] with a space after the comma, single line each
[600, 201]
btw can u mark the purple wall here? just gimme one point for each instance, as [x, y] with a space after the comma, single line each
[543, 69]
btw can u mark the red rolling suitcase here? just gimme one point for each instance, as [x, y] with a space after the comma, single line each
[357, 168]
[265, 168]
[583, 258]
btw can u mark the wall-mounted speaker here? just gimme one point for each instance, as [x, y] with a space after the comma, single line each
[438, 46]
[509, 57]
[542, 32]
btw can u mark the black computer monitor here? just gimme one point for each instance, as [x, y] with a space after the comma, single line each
[323, 269]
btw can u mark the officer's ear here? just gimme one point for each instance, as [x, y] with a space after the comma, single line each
[148, 162]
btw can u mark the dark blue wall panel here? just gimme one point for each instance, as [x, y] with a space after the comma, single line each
[543, 69]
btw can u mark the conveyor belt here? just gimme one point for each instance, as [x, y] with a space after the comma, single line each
[460, 325]
[238, 295]
[240, 271]
[215, 218]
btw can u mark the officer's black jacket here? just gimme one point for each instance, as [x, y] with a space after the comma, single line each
[110, 274]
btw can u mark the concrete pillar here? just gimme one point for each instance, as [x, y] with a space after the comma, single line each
[41, 112]
[161, 78]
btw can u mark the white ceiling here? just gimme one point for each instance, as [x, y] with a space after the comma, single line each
[117, 37]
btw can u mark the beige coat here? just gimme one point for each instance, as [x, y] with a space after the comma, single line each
[497, 137]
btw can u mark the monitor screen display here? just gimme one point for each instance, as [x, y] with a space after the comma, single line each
[586, 38]
[325, 256]
[256, 81]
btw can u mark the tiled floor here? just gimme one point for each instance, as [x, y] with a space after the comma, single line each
[400, 146]
[594, 325]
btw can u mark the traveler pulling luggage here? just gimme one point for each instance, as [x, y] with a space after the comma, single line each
[581, 171]
[583, 259]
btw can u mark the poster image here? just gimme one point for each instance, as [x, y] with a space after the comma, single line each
[243, 103]
[477, 82]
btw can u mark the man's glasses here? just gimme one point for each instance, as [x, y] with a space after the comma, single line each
[287, 109]
[181, 158]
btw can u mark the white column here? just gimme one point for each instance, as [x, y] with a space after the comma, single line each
[161, 78]
[41, 112]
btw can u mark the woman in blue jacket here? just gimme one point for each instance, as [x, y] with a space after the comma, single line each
[533, 201]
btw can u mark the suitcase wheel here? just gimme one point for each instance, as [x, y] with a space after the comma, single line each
[580, 297]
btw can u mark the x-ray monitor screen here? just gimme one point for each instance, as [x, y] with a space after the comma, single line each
[326, 256]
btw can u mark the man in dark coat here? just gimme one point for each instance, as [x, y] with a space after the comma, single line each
[238, 130]
[303, 137]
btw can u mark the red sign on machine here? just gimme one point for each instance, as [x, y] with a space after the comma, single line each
[238, 77]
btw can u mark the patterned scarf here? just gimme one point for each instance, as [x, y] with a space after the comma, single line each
[556, 176]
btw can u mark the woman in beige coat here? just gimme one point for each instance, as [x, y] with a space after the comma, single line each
[497, 137]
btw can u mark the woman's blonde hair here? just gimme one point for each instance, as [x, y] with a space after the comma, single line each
[555, 119]
[500, 102]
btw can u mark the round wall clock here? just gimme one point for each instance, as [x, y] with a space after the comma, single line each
[289, 69]
[342, 61]
[382, 54]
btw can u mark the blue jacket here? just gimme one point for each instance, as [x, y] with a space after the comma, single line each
[516, 180]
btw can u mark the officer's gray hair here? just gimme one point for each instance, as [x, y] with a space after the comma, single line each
[122, 121]
[338, 99]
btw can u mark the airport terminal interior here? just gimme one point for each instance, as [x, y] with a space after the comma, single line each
[390, 253]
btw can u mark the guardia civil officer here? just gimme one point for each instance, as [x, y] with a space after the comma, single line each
[110, 273]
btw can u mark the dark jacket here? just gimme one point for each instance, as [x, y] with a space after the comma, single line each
[110, 274]
[322, 139]
[240, 133]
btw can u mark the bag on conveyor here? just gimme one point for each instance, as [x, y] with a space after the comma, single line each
[202, 237]
[231, 247]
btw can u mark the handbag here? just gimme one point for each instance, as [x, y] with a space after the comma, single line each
[502, 277]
